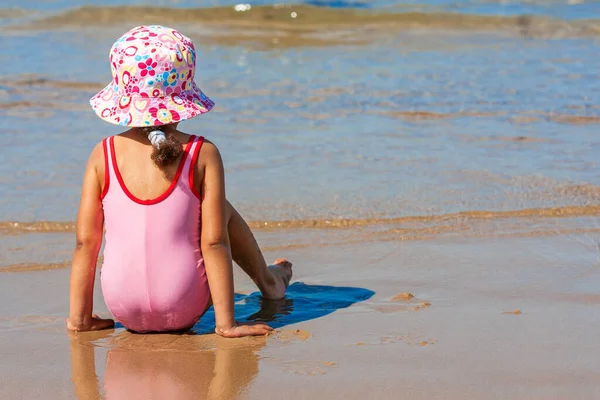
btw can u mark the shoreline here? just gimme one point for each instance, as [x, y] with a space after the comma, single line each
[49, 245]
[14, 227]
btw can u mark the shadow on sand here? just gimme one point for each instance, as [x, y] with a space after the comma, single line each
[301, 303]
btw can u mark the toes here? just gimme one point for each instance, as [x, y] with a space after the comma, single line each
[283, 263]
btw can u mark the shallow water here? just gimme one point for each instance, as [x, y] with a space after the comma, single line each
[321, 121]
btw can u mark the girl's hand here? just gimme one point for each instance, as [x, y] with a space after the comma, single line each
[94, 324]
[245, 329]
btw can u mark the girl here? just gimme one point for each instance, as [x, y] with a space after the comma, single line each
[160, 193]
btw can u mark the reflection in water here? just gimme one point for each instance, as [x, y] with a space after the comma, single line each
[191, 365]
[83, 369]
[166, 367]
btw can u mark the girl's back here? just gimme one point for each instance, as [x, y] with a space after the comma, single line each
[153, 276]
[140, 175]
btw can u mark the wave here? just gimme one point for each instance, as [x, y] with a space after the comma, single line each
[39, 92]
[459, 218]
[306, 19]
[9, 13]
[34, 267]
[36, 81]
[575, 119]
[36, 227]
[529, 117]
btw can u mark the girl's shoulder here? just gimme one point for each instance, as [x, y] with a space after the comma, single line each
[206, 158]
[97, 154]
[97, 161]
[209, 153]
[206, 151]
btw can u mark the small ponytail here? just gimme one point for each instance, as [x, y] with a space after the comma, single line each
[166, 149]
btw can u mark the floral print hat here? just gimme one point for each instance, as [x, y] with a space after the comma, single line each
[153, 80]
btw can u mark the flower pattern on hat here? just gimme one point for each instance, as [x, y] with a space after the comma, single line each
[153, 70]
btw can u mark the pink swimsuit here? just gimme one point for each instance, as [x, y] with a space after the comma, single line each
[153, 277]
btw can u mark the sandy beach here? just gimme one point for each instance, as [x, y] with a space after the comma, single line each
[449, 318]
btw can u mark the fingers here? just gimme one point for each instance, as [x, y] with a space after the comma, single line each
[259, 329]
[246, 329]
[104, 323]
[101, 323]
[70, 326]
[257, 326]
[74, 328]
[95, 325]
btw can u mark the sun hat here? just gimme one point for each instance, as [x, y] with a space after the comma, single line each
[153, 80]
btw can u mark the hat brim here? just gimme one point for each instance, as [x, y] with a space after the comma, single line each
[141, 111]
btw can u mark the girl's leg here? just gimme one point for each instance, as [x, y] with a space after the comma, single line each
[272, 280]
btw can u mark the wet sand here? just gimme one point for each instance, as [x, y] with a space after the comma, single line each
[442, 323]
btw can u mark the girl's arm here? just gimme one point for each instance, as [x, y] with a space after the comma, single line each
[90, 223]
[83, 369]
[216, 250]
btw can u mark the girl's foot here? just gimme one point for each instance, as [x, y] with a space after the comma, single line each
[277, 283]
